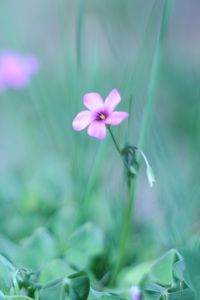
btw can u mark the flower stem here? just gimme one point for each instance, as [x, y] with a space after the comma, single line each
[114, 141]
[125, 229]
[131, 182]
[36, 295]
[126, 219]
[117, 146]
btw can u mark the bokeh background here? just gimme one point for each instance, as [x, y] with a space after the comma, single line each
[53, 177]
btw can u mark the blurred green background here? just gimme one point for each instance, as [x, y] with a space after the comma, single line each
[53, 177]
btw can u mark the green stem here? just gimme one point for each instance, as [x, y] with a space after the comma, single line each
[114, 141]
[36, 295]
[125, 230]
[126, 219]
[117, 147]
[131, 182]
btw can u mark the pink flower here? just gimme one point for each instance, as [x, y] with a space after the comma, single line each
[16, 69]
[100, 114]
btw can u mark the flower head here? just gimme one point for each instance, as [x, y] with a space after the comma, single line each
[100, 114]
[16, 69]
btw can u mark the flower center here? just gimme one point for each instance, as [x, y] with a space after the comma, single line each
[102, 116]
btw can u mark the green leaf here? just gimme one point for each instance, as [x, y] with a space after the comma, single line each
[6, 270]
[186, 294]
[63, 224]
[155, 288]
[134, 275]
[7, 263]
[153, 296]
[52, 291]
[154, 291]
[191, 272]
[79, 286]
[56, 269]
[111, 297]
[84, 244]
[2, 297]
[94, 295]
[162, 271]
[37, 250]
[76, 287]
[18, 298]
[178, 269]
[8, 247]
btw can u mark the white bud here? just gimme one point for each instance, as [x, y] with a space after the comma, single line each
[150, 176]
[149, 170]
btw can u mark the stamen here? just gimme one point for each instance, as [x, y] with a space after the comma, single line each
[102, 117]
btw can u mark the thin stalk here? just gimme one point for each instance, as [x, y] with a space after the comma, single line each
[117, 146]
[114, 141]
[36, 296]
[126, 219]
[125, 229]
[145, 122]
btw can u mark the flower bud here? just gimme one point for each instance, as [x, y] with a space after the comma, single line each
[135, 293]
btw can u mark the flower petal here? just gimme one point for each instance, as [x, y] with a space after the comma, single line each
[97, 129]
[93, 101]
[17, 69]
[112, 100]
[82, 120]
[116, 117]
